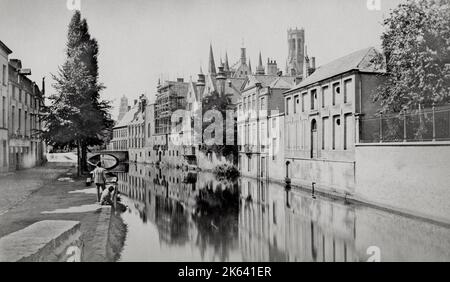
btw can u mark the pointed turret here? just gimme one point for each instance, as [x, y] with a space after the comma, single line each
[243, 56]
[211, 64]
[260, 67]
[200, 82]
[221, 80]
[226, 66]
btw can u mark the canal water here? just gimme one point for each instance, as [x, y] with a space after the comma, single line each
[175, 215]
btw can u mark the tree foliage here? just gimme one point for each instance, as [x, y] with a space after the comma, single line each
[220, 103]
[76, 116]
[416, 44]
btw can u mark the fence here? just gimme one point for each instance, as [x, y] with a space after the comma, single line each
[430, 124]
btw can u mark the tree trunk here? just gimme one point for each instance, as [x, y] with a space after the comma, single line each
[83, 158]
[78, 159]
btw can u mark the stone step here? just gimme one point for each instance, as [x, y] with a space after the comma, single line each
[48, 240]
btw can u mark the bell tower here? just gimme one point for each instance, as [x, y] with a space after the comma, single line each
[296, 52]
[123, 107]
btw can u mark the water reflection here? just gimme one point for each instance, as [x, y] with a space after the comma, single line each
[183, 216]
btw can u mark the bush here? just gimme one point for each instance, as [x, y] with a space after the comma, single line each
[226, 171]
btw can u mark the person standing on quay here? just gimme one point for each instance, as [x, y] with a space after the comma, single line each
[99, 175]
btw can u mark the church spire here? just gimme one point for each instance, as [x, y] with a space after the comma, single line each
[211, 64]
[260, 67]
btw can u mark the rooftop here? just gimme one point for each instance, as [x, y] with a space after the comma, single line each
[4, 47]
[365, 60]
[128, 117]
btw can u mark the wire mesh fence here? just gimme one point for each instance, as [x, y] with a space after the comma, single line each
[425, 125]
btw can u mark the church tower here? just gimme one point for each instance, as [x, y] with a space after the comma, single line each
[243, 69]
[123, 107]
[296, 52]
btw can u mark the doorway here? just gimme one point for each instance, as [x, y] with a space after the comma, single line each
[314, 139]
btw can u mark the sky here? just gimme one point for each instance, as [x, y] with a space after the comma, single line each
[141, 41]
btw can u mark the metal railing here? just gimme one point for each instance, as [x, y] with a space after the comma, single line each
[424, 125]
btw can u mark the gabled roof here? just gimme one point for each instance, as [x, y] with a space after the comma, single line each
[232, 88]
[193, 88]
[364, 60]
[128, 117]
[4, 47]
[273, 81]
[283, 82]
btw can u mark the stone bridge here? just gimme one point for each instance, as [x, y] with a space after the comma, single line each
[116, 157]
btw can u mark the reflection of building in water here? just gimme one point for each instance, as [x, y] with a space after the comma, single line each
[168, 199]
[280, 225]
[273, 224]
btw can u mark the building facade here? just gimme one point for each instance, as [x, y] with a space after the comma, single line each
[321, 121]
[137, 132]
[4, 107]
[260, 113]
[120, 141]
[21, 114]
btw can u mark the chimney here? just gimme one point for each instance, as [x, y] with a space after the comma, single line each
[272, 68]
[16, 63]
[313, 63]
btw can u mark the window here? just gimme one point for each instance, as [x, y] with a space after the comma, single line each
[4, 111]
[348, 132]
[336, 92]
[20, 95]
[249, 163]
[325, 133]
[313, 99]
[336, 133]
[20, 120]
[262, 106]
[348, 91]
[25, 123]
[325, 96]
[296, 103]
[288, 103]
[4, 75]
[13, 114]
[5, 160]
[303, 101]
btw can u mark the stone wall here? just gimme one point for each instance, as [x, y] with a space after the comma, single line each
[408, 177]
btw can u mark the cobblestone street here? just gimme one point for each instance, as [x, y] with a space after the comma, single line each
[53, 193]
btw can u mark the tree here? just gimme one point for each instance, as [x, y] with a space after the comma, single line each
[77, 117]
[416, 44]
[220, 103]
